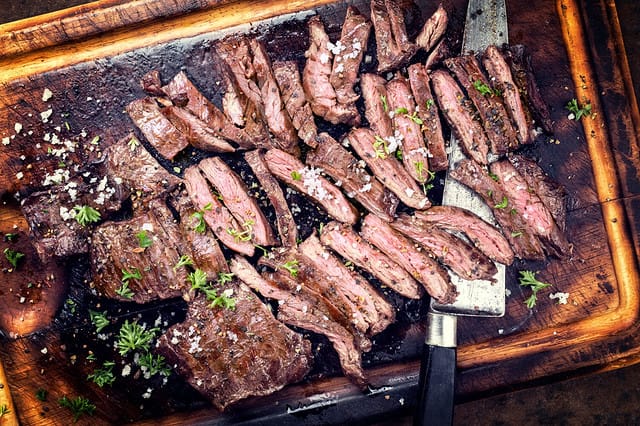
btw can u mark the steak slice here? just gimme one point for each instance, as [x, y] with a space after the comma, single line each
[461, 116]
[523, 201]
[214, 213]
[195, 130]
[374, 93]
[308, 181]
[228, 355]
[552, 194]
[502, 80]
[183, 92]
[351, 175]
[406, 122]
[463, 259]
[129, 162]
[483, 235]
[301, 308]
[115, 250]
[417, 262]
[522, 71]
[316, 77]
[289, 81]
[348, 53]
[524, 242]
[427, 112]
[493, 115]
[387, 169]
[236, 198]
[287, 228]
[378, 313]
[393, 48]
[345, 241]
[156, 128]
[275, 114]
[433, 29]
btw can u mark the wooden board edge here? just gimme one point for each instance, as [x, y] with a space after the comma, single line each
[87, 20]
[10, 417]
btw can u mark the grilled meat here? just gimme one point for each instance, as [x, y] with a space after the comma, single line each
[300, 307]
[427, 112]
[374, 93]
[195, 130]
[461, 116]
[406, 123]
[228, 355]
[345, 241]
[115, 250]
[493, 115]
[236, 198]
[287, 228]
[502, 81]
[289, 81]
[308, 181]
[483, 235]
[417, 262]
[523, 241]
[386, 168]
[214, 213]
[316, 79]
[463, 259]
[348, 55]
[156, 128]
[393, 46]
[350, 172]
[433, 29]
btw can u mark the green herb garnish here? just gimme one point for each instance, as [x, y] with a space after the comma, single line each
[125, 291]
[13, 257]
[242, 235]
[197, 219]
[153, 364]
[133, 337]
[78, 406]
[184, 260]
[41, 394]
[144, 240]
[385, 106]
[99, 319]
[295, 175]
[4, 409]
[86, 215]
[578, 111]
[483, 88]
[104, 375]
[291, 266]
[503, 204]
[528, 278]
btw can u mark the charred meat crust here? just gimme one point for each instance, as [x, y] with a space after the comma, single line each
[374, 93]
[393, 48]
[433, 29]
[343, 167]
[215, 350]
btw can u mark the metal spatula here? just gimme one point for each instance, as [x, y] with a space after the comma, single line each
[486, 24]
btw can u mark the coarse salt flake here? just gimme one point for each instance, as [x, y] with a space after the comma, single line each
[44, 115]
[46, 94]
[17, 127]
[560, 296]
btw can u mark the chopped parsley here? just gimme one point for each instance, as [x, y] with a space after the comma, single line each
[86, 215]
[144, 240]
[184, 260]
[295, 175]
[4, 409]
[153, 364]
[385, 106]
[197, 218]
[242, 235]
[104, 375]
[483, 88]
[291, 266]
[78, 406]
[134, 273]
[13, 257]
[528, 279]
[125, 291]
[198, 280]
[134, 337]
[503, 204]
[577, 111]
[99, 319]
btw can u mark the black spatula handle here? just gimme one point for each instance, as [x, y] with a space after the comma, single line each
[436, 385]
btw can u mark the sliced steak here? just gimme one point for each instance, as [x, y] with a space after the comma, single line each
[483, 235]
[316, 77]
[156, 128]
[417, 262]
[393, 48]
[348, 53]
[203, 247]
[523, 201]
[427, 112]
[290, 83]
[465, 260]
[309, 181]
[129, 162]
[374, 93]
[524, 242]
[461, 116]
[552, 194]
[216, 350]
[236, 198]
[115, 250]
[214, 213]
[275, 114]
[237, 54]
[407, 123]
[387, 169]
[350, 174]
[196, 131]
[378, 313]
[287, 228]
[493, 115]
[301, 308]
[183, 92]
[345, 241]
[433, 29]
[519, 60]
[502, 81]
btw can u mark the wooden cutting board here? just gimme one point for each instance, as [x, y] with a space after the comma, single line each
[92, 57]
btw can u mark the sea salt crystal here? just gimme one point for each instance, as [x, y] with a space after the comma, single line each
[46, 94]
[44, 115]
[560, 296]
[17, 127]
